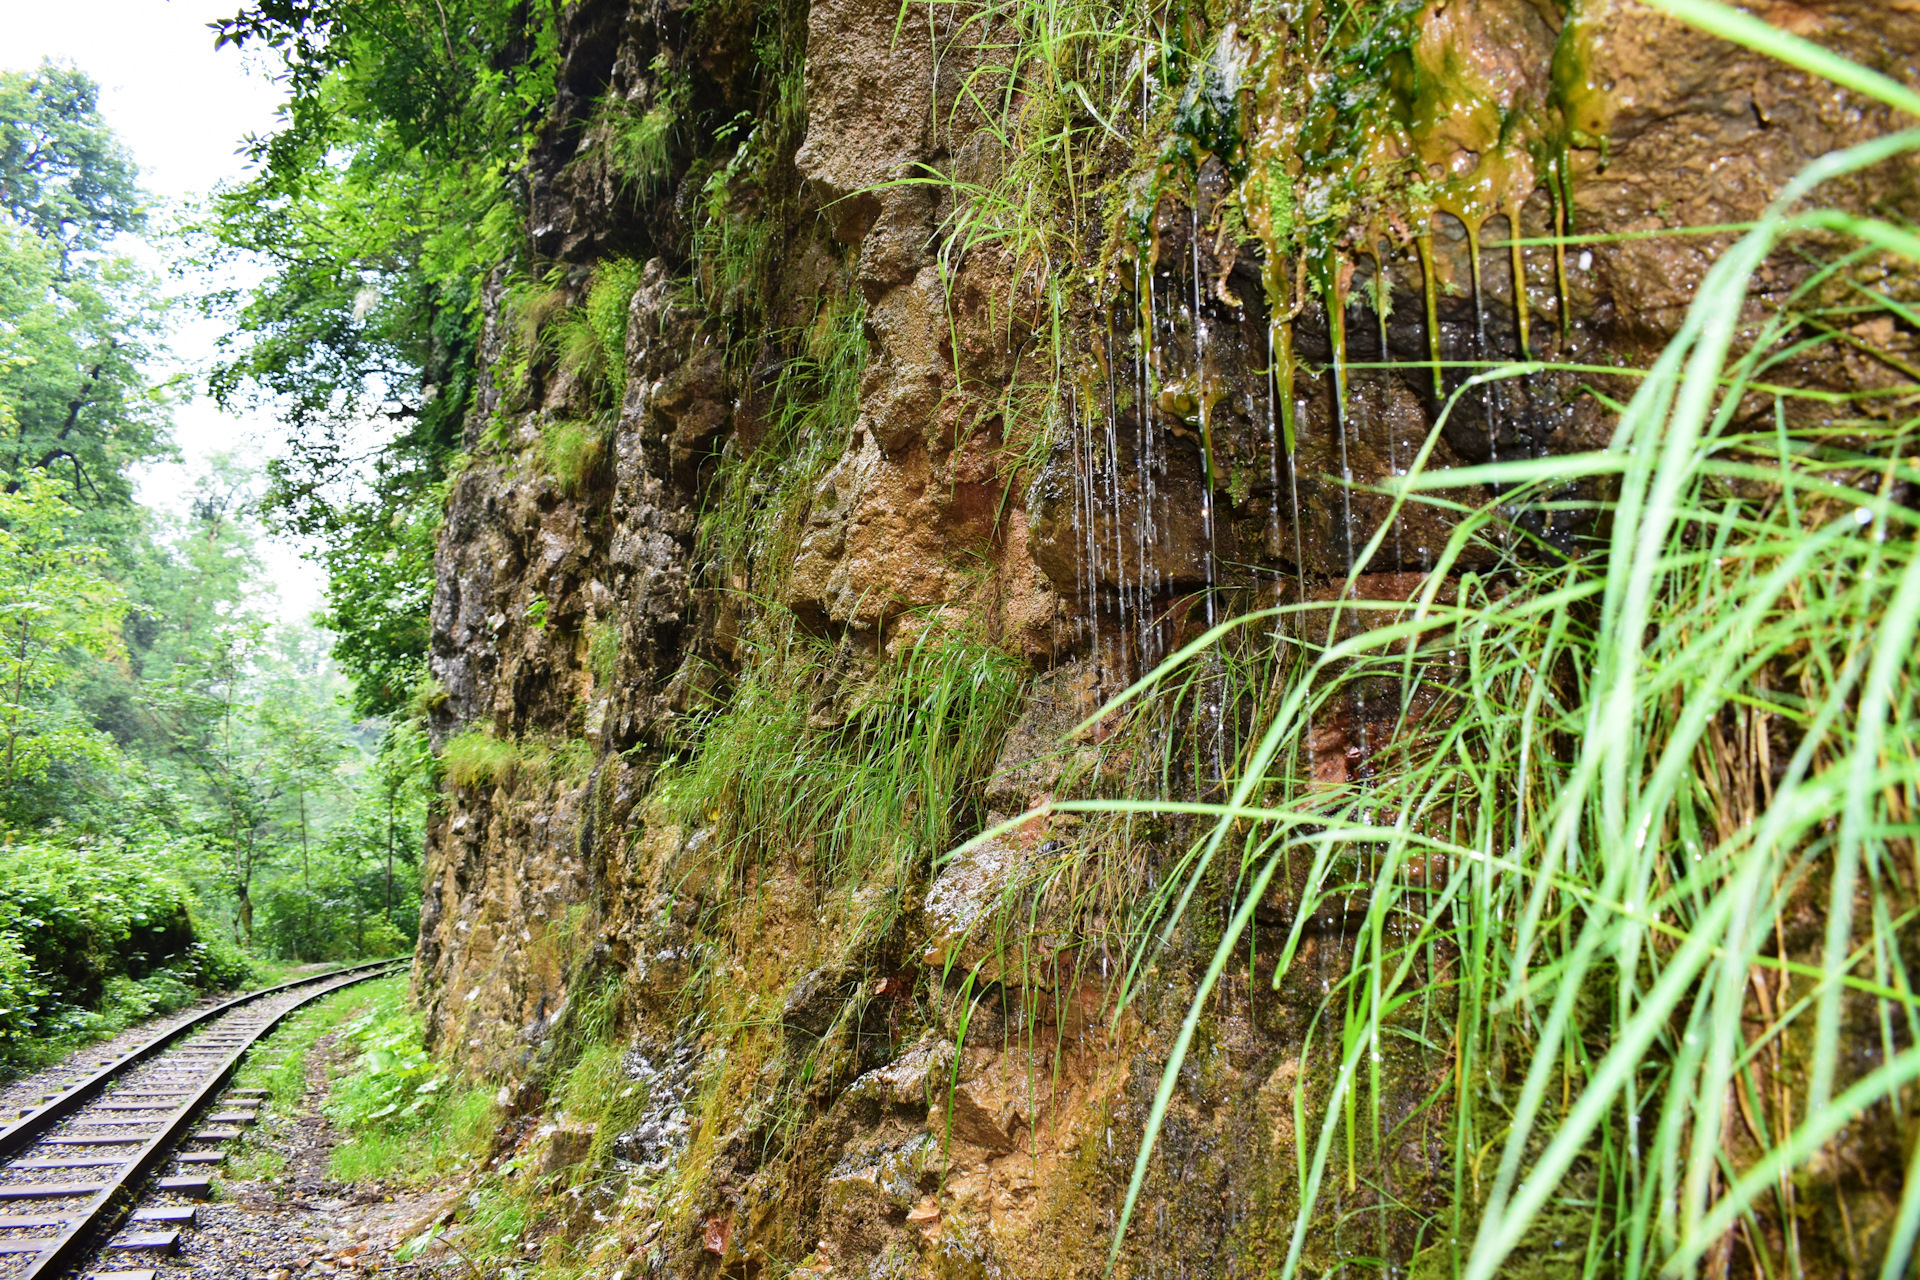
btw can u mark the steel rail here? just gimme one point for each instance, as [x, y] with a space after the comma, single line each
[104, 1205]
[26, 1130]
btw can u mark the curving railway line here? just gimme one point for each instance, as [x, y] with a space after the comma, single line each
[143, 1129]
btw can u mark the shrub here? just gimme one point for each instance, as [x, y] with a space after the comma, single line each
[21, 996]
[85, 915]
[93, 937]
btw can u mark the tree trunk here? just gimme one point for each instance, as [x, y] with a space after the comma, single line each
[389, 912]
[306, 877]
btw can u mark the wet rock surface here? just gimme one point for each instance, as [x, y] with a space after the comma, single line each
[928, 1080]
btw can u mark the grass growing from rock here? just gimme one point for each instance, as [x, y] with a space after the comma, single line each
[749, 524]
[872, 789]
[572, 452]
[477, 758]
[639, 139]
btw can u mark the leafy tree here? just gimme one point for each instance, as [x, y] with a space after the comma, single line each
[163, 752]
[77, 321]
[262, 752]
[184, 577]
[55, 604]
[381, 207]
[212, 719]
[64, 177]
[77, 413]
[71, 348]
[402, 786]
[303, 761]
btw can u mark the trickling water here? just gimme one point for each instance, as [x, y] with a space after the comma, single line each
[1079, 487]
[1113, 479]
[1335, 296]
[1157, 352]
[1430, 295]
[1521, 319]
[1206, 413]
[1481, 351]
[1518, 265]
[1382, 303]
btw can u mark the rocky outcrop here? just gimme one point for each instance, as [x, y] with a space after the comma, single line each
[854, 422]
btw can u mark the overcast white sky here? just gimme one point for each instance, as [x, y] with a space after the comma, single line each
[182, 109]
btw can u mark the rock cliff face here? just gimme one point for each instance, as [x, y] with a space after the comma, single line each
[873, 448]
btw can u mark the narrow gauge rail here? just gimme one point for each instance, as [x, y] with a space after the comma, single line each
[73, 1164]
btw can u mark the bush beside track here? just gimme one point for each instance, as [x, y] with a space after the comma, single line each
[92, 938]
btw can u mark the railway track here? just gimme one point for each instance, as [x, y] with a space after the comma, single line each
[73, 1166]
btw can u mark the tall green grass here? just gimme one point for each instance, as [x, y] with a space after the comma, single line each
[866, 793]
[1616, 788]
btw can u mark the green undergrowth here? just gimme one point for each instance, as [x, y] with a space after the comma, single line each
[579, 328]
[597, 1093]
[516, 1197]
[493, 1221]
[93, 939]
[580, 331]
[849, 774]
[476, 758]
[591, 339]
[743, 204]
[603, 651]
[279, 1065]
[406, 1118]
[746, 198]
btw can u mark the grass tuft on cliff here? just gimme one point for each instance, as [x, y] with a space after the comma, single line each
[476, 758]
[750, 520]
[870, 790]
[573, 452]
